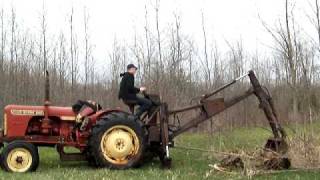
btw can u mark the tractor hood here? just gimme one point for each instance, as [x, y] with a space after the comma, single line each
[65, 113]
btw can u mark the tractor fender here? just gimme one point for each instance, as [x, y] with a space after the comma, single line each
[98, 115]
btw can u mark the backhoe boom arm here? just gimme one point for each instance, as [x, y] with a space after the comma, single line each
[209, 108]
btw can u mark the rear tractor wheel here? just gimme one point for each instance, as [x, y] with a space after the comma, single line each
[117, 142]
[19, 156]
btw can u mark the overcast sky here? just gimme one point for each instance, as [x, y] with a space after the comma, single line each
[225, 19]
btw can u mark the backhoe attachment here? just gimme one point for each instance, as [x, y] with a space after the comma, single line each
[210, 107]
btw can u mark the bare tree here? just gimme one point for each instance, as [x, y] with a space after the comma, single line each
[285, 38]
[315, 20]
[147, 36]
[2, 56]
[87, 58]
[13, 56]
[236, 59]
[207, 65]
[62, 64]
[72, 55]
[159, 63]
[117, 62]
[3, 41]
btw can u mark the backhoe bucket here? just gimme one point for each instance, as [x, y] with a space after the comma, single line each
[278, 145]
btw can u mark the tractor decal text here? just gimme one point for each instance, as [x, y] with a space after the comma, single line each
[20, 112]
[68, 118]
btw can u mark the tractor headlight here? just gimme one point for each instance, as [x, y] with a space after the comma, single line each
[5, 124]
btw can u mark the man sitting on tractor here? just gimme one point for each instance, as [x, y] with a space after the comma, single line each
[128, 92]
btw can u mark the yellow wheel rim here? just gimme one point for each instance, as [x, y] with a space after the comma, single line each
[19, 160]
[119, 144]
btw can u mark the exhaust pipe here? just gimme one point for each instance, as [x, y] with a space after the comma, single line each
[45, 126]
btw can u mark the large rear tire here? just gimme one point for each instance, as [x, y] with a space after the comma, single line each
[19, 156]
[117, 142]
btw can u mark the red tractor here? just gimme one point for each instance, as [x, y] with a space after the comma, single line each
[109, 137]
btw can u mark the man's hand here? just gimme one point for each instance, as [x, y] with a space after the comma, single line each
[142, 89]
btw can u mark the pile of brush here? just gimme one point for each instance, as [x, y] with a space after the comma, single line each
[274, 156]
[300, 153]
[263, 159]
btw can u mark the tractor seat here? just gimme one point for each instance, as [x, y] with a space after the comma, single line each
[130, 104]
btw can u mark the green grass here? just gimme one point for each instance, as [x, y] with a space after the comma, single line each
[186, 164]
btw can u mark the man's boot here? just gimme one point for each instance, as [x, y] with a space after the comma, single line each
[136, 116]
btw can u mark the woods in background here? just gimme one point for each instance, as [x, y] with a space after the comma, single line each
[169, 62]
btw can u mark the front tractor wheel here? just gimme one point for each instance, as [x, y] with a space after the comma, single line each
[19, 156]
[117, 142]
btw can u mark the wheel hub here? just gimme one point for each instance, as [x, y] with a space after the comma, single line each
[19, 159]
[119, 144]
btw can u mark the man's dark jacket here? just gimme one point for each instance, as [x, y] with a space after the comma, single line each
[127, 90]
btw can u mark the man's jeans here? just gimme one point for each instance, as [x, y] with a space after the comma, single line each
[144, 103]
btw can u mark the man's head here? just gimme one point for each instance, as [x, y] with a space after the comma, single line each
[131, 68]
